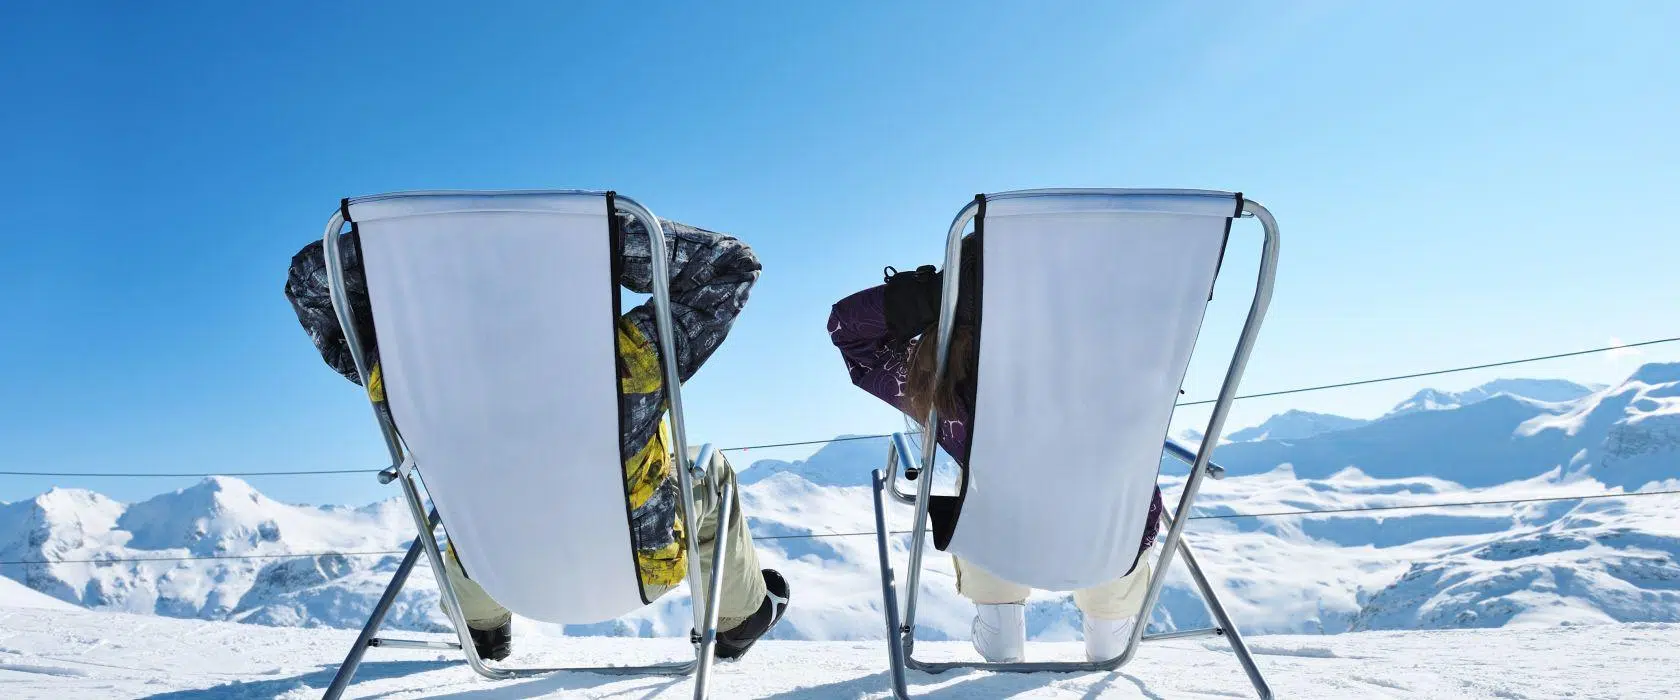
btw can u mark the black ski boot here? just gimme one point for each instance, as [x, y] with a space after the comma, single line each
[733, 644]
[493, 644]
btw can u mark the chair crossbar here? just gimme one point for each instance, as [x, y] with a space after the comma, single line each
[411, 644]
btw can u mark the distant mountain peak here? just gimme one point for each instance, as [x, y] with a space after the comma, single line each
[1542, 390]
[59, 496]
[1657, 373]
[1295, 425]
[845, 461]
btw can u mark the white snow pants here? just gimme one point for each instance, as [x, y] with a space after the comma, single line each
[1119, 599]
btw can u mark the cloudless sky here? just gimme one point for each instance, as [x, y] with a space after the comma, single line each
[1456, 183]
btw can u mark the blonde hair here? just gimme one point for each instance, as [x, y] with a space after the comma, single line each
[921, 391]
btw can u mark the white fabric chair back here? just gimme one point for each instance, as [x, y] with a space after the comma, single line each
[495, 318]
[1091, 304]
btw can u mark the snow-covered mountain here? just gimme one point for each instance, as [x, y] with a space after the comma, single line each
[845, 462]
[1294, 425]
[1547, 390]
[1480, 566]
[219, 517]
[1625, 435]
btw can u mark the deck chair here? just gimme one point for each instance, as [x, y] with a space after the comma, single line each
[493, 388]
[1090, 304]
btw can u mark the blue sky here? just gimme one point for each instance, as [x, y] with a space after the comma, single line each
[1456, 184]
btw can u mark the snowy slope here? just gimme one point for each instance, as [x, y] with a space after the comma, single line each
[1604, 561]
[72, 655]
[17, 595]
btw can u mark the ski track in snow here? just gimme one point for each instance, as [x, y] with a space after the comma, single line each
[72, 654]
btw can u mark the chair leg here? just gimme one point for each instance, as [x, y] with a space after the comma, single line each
[714, 591]
[347, 670]
[889, 593]
[446, 592]
[1229, 630]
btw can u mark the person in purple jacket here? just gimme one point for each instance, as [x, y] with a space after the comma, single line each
[880, 332]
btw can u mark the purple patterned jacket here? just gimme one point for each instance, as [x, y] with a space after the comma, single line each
[857, 325]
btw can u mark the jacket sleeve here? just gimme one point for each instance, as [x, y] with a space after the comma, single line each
[857, 325]
[711, 275]
[307, 290]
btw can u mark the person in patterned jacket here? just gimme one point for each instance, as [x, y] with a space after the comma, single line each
[884, 334]
[711, 274]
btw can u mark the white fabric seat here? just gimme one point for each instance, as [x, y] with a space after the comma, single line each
[1090, 303]
[496, 341]
[496, 317]
[1089, 310]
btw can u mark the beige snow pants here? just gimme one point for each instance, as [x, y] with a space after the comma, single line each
[743, 581]
[1119, 599]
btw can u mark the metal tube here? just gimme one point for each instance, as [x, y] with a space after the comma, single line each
[1228, 628]
[347, 323]
[918, 536]
[714, 591]
[1216, 422]
[353, 661]
[1021, 667]
[899, 449]
[659, 261]
[1172, 448]
[446, 592]
[1105, 191]
[1184, 634]
[889, 595]
[697, 592]
[930, 433]
[706, 455]
[412, 644]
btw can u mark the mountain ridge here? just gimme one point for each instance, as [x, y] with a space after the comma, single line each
[1303, 573]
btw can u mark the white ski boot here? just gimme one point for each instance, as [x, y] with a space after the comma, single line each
[1000, 632]
[1107, 639]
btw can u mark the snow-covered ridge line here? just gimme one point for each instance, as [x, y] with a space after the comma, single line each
[1483, 566]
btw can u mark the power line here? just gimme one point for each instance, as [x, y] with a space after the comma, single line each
[848, 438]
[1321, 387]
[204, 557]
[824, 535]
[1281, 513]
[1509, 501]
[1359, 382]
[195, 474]
[1433, 373]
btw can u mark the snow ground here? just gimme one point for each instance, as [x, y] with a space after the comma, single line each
[17, 595]
[68, 654]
